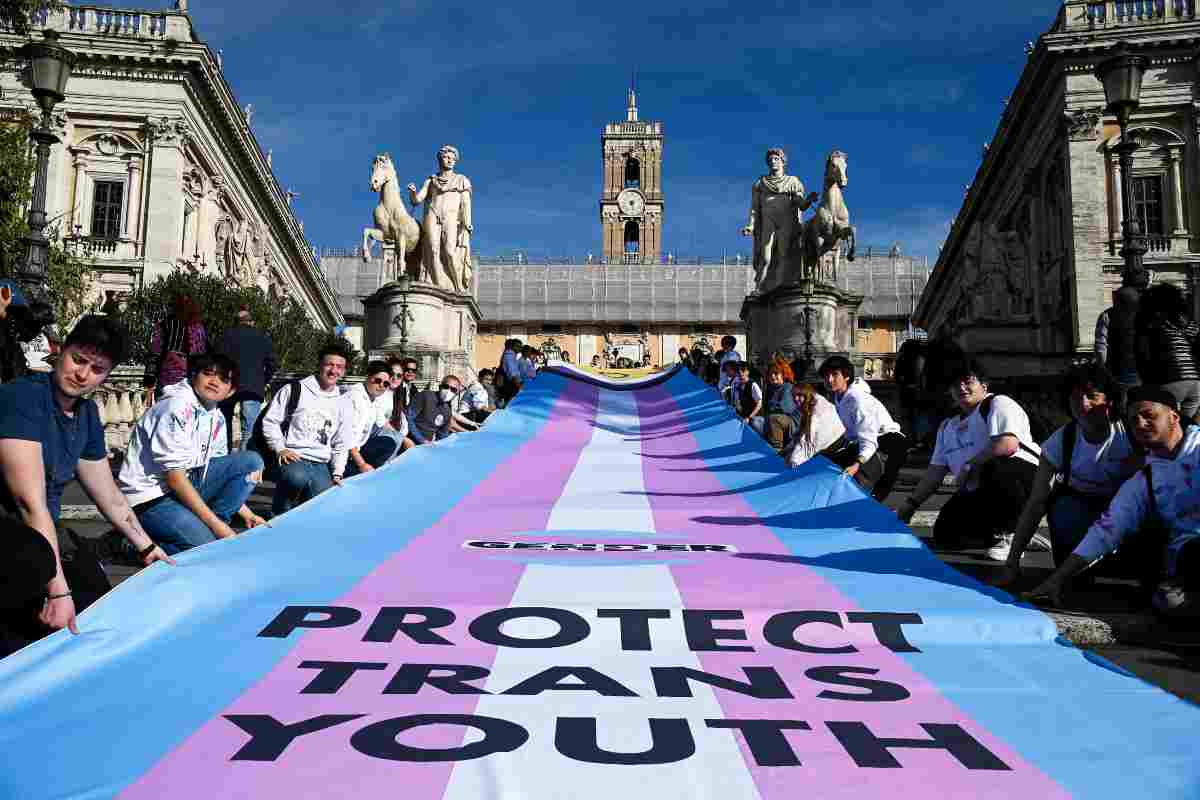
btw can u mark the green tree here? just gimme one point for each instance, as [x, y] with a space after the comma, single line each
[297, 340]
[70, 275]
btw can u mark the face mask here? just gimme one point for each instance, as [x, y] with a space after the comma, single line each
[447, 395]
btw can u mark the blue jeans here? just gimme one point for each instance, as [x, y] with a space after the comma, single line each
[1069, 516]
[224, 489]
[250, 407]
[299, 482]
[377, 451]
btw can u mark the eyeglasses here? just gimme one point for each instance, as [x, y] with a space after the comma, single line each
[410, 371]
[380, 381]
[454, 389]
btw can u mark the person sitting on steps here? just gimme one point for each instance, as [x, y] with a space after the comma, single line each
[1152, 522]
[1083, 464]
[989, 449]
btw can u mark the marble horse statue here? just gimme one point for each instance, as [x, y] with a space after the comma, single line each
[831, 224]
[393, 224]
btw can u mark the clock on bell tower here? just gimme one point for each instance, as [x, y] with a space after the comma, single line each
[631, 202]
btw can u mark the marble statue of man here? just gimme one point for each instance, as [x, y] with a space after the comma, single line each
[446, 226]
[775, 205]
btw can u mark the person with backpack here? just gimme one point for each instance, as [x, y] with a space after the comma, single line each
[1153, 520]
[176, 340]
[1082, 466]
[990, 450]
[306, 433]
[178, 474]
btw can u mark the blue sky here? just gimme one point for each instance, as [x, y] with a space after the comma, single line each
[911, 92]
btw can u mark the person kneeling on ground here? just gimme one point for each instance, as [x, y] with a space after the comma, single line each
[816, 427]
[310, 444]
[50, 434]
[745, 395]
[989, 449]
[881, 447]
[178, 474]
[369, 406]
[1157, 506]
[1083, 464]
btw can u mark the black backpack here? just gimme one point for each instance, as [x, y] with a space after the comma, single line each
[258, 441]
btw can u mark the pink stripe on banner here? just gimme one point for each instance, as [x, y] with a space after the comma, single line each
[761, 588]
[431, 571]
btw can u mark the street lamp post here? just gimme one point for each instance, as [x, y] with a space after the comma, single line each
[1121, 74]
[405, 283]
[50, 67]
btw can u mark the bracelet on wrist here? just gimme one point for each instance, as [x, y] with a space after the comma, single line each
[147, 550]
[58, 596]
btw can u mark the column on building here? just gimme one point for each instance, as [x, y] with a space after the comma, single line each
[1175, 155]
[133, 207]
[79, 221]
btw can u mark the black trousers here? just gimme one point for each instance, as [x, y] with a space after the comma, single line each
[893, 447]
[976, 517]
[1187, 565]
[25, 569]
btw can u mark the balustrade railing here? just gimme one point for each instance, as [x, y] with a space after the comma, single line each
[1110, 13]
[115, 22]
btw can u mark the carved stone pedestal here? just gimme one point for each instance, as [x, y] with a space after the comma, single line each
[775, 322]
[440, 330]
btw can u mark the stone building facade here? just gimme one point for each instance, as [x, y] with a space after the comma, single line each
[158, 168]
[1032, 257]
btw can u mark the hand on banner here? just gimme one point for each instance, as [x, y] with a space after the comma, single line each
[157, 554]
[222, 530]
[253, 521]
[853, 469]
[337, 480]
[1048, 591]
[59, 612]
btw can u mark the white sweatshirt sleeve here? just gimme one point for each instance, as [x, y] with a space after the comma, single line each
[273, 419]
[861, 427]
[171, 441]
[1123, 516]
[342, 439]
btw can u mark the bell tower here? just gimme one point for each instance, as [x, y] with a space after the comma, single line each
[631, 202]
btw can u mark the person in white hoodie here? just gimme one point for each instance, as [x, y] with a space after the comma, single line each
[373, 442]
[312, 446]
[178, 475]
[1153, 520]
[881, 447]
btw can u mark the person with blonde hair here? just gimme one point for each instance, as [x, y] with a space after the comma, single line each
[817, 428]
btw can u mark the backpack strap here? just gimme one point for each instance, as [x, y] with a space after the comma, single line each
[1068, 449]
[1146, 471]
[985, 411]
[293, 402]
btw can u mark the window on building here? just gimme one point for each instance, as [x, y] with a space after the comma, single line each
[633, 173]
[632, 237]
[106, 209]
[1147, 204]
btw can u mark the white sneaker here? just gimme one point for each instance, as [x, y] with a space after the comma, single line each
[1039, 542]
[1000, 550]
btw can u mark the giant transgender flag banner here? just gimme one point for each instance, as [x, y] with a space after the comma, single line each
[612, 591]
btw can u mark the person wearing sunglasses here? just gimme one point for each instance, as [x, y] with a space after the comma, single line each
[369, 406]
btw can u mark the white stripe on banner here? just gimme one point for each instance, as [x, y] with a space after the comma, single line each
[605, 494]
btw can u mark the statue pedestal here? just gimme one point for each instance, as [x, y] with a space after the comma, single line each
[775, 322]
[440, 331]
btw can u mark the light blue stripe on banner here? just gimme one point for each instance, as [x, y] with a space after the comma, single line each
[65, 699]
[1098, 733]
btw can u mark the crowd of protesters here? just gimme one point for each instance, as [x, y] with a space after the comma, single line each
[1116, 483]
[183, 480]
